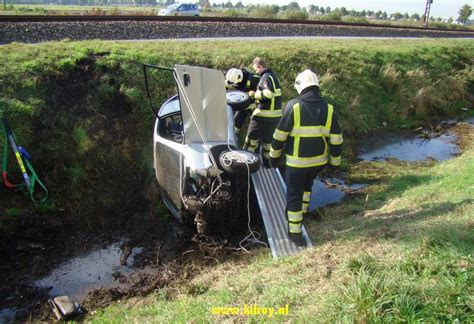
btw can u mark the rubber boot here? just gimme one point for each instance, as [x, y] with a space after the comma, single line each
[266, 163]
[297, 238]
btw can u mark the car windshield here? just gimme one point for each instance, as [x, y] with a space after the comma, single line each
[173, 6]
[170, 107]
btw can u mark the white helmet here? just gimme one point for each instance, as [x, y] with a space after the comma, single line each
[233, 77]
[306, 79]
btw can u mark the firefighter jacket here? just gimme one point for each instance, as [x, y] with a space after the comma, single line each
[310, 131]
[268, 96]
[249, 81]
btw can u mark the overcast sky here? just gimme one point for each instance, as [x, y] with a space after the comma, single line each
[439, 8]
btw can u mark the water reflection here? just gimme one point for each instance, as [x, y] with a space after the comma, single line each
[79, 275]
[410, 149]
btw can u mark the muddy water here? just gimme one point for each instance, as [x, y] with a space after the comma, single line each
[330, 191]
[327, 191]
[98, 268]
[7, 315]
[454, 121]
[410, 148]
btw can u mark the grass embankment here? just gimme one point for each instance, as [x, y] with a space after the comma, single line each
[80, 109]
[405, 254]
[30, 9]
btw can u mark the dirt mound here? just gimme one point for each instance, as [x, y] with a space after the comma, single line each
[87, 143]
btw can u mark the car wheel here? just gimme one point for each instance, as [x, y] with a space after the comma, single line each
[236, 162]
[238, 100]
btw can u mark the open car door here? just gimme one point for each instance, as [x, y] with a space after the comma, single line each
[203, 101]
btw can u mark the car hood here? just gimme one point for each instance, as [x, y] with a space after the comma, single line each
[202, 97]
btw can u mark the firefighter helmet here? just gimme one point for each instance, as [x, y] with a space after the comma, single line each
[306, 79]
[233, 77]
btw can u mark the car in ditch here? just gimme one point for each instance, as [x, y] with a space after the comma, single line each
[203, 178]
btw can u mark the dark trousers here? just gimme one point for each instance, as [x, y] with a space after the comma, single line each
[260, 133]
[299, 182]
[240, 116]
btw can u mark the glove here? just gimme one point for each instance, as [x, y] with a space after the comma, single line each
[251, 94]
[274, 163]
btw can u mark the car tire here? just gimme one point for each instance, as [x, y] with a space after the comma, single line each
[235, 166]
[238, 100]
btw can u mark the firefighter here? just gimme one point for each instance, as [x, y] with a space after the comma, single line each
[311, 135]
[243, 80]
[266, 115]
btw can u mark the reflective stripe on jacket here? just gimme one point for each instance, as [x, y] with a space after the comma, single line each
[268, 96]
[310, 131]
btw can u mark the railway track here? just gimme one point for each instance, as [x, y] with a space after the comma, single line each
[85, 18]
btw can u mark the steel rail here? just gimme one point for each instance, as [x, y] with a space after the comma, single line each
[89, 18]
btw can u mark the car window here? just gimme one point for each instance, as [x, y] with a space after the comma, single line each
[173, 6]
[193, 7]
[171, 106]
[173, 129]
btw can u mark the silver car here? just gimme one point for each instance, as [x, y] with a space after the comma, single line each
[180, 9]
[203, 177]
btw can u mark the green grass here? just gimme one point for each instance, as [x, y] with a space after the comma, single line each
[13, 212]
[407, 256]
[80, 107]
[41, 9]
[74, 7]
[401, 252]
[371, 80]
